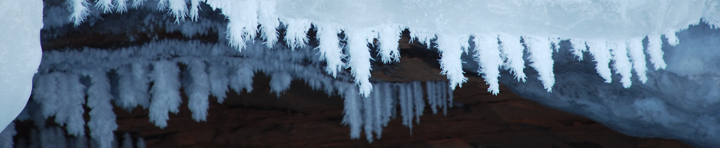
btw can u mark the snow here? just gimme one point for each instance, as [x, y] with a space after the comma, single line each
[20, 54]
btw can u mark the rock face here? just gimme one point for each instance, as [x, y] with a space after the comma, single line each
[302, 117]
[680, 102]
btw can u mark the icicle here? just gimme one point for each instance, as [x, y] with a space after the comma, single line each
[165, 92]
[194, 9]
[218, 73]
[369, 116]
[554, 43]
[268, 22]
[450, 98]
[450, 61]
[242, 21]
[406, 104]
[442, 92]
[242, 78]
[672, 39]
[635, 51]
[621, 63]
[329, 48]
[198, 90]
[431, 95]
[487, 55]
[418, 100]
[71, 97]
[79, 11]
[296, 33]
[102, 118]
[389, 102]
[121, 6]
[378, 110]
[388, 37]
[6, 136]
[133, 86]
[279, 82]
[127, 141]
[45, 93]
[422, 36]
[512, 50]
[578, 47]
[104, 5]
[601, 54]
[654, 49]
[352, 114]
[541, 59]
[359, 59]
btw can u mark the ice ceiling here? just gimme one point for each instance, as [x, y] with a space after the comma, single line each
[496, 38]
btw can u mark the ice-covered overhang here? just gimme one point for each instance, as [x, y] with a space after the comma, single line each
[20, 54]
[614, 37]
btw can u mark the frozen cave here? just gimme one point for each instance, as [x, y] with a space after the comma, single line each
[643, 68]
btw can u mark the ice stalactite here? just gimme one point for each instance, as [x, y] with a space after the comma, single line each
[329, 49]
[417, 99]
[68, 110]
[487, 54]
[198, 90]
[578, 47]
[406, 105]
[296, 32]
[241, 79]
[373, 113]
[279, 82]
[133, 86]
[102, 118]
[450, 62]
[621, 63]
[654, 50]
[541, 59]
[635, 51]
[601, 55]
[165, 92]
[512, 53]
[388, 37]
[431, 96]
[218, 73]
[352, 112]
[359, 59]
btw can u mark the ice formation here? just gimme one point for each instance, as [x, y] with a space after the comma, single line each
[20, 54]
[504, 34]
